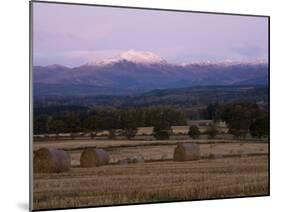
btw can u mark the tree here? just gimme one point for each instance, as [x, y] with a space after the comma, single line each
[40, 124]
[57, 126]
[128, 123]
[91, 125]
[72, 122]
[174, 116]
[162, 130]
[109, 119]
[238, 133]
[213, 111]
[212, 131]
[239, 117]
[112, 133]
[259, 127]
[194, 132]
[130, 132]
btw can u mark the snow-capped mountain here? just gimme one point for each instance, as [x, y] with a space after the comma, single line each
[225, 63]
[138, 72]
[133, 56]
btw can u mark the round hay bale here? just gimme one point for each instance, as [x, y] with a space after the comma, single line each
[50, 160]
[94, 157]
[186, 152]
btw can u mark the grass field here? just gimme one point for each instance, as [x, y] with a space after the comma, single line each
[237, 168]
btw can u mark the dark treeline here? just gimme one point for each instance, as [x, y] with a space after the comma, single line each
[241, 119]
[106, 119]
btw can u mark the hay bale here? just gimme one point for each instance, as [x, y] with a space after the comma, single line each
[186, 152]
[50, 160]
[92, 157]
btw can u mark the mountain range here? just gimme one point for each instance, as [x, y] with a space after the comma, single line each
[135, 72]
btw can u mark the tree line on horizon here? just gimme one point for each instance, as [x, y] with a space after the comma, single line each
[241, 118]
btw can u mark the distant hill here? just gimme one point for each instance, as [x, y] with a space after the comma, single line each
[136, 73]
[180, 97]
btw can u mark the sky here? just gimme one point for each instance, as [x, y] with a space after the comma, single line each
[73, 35]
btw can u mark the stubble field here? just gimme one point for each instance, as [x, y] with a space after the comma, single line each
[226, 169]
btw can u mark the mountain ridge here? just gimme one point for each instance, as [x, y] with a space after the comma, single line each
[127, 77]
[178, 97]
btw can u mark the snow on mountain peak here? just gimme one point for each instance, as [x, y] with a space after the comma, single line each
[54, 66]
[226, 62]
[143, 57]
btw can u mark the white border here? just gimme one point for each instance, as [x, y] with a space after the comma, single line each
[14, 22]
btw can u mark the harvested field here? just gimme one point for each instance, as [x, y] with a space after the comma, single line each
[155, 150]
[152, 182]
[227, 168]
[77, 144]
